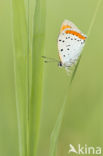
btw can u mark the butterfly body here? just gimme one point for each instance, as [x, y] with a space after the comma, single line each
[70, 43]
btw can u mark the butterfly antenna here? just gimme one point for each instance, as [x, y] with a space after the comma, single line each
[48, 59]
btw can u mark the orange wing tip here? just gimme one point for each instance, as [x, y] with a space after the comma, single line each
[64, 27]
[76, 34]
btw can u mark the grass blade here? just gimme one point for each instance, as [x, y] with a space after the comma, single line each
[57, 127]
[20, 57]
[88, 33]
[75, 69]
[37, 74]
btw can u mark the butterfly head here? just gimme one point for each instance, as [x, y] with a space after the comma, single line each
[60, 64]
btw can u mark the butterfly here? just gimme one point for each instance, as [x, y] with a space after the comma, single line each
[70, 44]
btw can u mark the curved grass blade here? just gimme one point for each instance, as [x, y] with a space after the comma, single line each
[20, 58]
[75, 69]
[88, 33]
[37, 75]
[56, 129]
[55, 133]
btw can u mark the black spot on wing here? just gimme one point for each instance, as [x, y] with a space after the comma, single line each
[82, 42]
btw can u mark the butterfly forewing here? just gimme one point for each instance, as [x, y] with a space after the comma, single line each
[70, 43]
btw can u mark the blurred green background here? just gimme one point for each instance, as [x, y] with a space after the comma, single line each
[83, 120]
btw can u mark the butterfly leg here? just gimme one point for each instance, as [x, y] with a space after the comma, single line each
[68, 71]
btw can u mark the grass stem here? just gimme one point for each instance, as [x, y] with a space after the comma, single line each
[57, 127]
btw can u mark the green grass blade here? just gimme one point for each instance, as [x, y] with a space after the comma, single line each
[57, 127]
[37, 74]
[88, 33]
[75, 69]
[20, 57]
[94, 17]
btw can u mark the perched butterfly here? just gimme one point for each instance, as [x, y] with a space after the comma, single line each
[70, 44]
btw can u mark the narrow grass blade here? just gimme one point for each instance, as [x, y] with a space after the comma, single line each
[88, 33]
[75, 69]
[37, 74]
[57, 127]
[20, 58]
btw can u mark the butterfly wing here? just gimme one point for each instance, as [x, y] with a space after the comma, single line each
[70, 44]
[70, 25]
